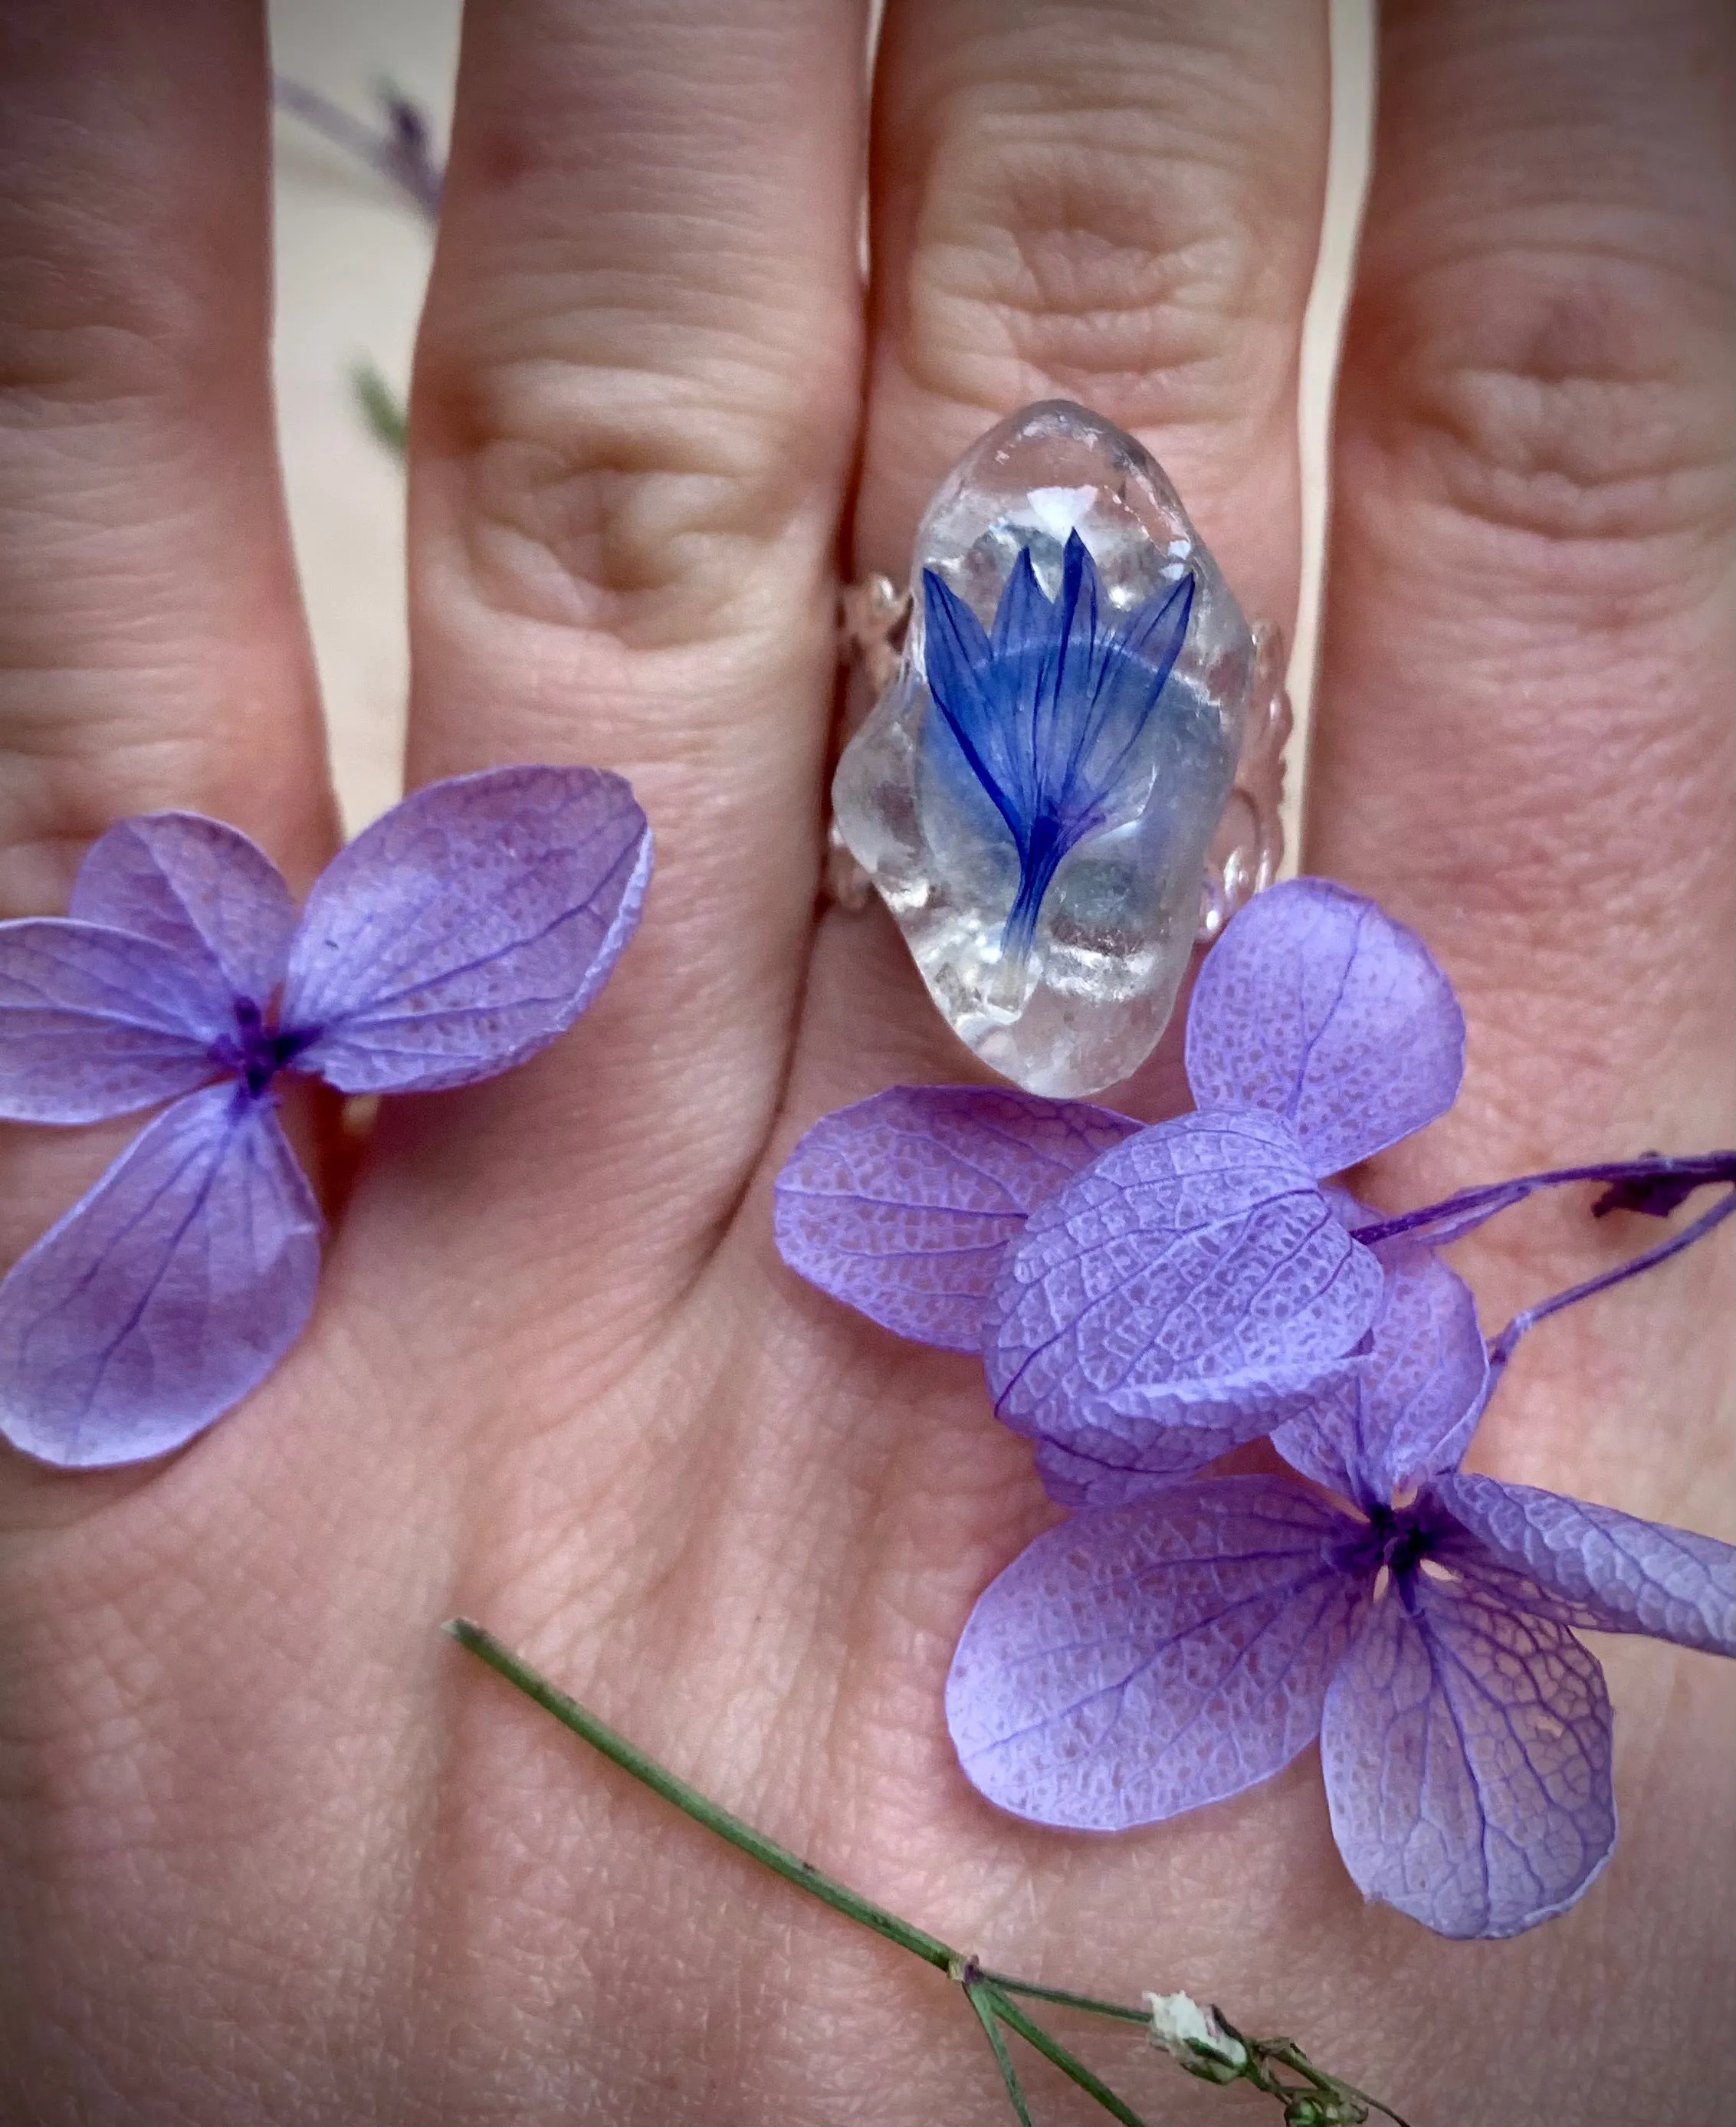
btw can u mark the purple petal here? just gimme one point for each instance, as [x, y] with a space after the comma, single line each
[1099, 1466]
[903, 1204]
[1466, 1749]
[1407, 1409]
[1194, 1275]
[468, 927]
[204, 891]
[1110, 1461]
[1135, 1664]
[94, 1022]
[163, 1296]
[1317, 1006]
[1614, 1572]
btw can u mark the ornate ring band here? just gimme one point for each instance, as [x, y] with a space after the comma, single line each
[1073, 769]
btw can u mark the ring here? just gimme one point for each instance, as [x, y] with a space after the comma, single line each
[1073, 769]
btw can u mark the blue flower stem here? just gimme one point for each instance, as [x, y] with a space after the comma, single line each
[1503, 1347]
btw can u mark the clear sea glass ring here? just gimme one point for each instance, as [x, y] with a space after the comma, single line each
[1073, 769]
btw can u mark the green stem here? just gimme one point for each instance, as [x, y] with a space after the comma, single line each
[990, 2023]
[1331, 2085]
[1070, 2065]
[1064, 1999]
[779, 1859]
[384, 414]
[989, 1993]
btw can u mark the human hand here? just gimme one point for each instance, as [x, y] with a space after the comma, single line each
[270, 1850]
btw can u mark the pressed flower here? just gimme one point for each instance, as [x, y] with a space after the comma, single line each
[452, 939]
[1145, 1298]
[1051, 710]
[1140, 1660]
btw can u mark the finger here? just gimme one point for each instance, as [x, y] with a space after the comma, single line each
[1525, 738]
[152, 653]
[634, 414]
[1117, 204]
[151, 648]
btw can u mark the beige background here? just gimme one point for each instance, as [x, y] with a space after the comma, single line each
[352, 257]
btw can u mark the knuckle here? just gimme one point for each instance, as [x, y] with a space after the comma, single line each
[1577, 402]
[1165, 288]
[643, 504]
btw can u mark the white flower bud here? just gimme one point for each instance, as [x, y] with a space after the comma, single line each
[1195, 2037]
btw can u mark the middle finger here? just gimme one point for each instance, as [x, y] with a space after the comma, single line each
[1117, 204]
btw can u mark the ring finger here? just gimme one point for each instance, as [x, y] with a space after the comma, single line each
[1115, 204]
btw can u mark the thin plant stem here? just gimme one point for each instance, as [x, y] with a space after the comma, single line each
[991, 2006]
[990, 2023]
[398, 152]
[1062, 1999]
[1070, 2065]
[989, 1993]
[1455, 1217]
[1287, 2051]
[386, 418]
[1503, 1349]
[779, 1859]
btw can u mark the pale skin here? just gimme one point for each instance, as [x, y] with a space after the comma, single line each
[275, 1849]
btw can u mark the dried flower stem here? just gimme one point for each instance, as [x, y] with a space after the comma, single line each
[398, 150]
[1502, 1347]
[1671, 1177]
[1320, 2102]
[386, 416]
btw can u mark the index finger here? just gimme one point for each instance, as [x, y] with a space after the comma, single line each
[634, 414]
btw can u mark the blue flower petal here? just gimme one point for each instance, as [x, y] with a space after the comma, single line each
[1049, 710]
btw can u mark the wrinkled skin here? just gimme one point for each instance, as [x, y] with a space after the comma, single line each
[273, 1848]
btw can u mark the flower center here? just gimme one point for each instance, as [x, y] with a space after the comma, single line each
[256, 1051]
[1405, 1539]
[1397, 1538]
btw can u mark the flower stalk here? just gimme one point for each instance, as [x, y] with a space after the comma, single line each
[1655, 1183]
[1320, 2100]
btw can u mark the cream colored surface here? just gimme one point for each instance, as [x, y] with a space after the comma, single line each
[352, 257]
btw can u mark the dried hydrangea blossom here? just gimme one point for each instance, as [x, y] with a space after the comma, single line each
[1144, 1299]
[453, 939]
[1139, 1660]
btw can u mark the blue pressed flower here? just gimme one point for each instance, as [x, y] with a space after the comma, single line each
[1050, 708]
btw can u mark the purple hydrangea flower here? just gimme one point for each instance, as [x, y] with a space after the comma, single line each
[1141, 1660]
[1144, 1299]
[452, 939]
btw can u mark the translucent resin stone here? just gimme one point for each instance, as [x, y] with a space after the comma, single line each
[1038, 791]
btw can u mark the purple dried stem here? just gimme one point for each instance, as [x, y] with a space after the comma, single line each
[1503, 1347]
[1654, 1183]
[400, 152]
